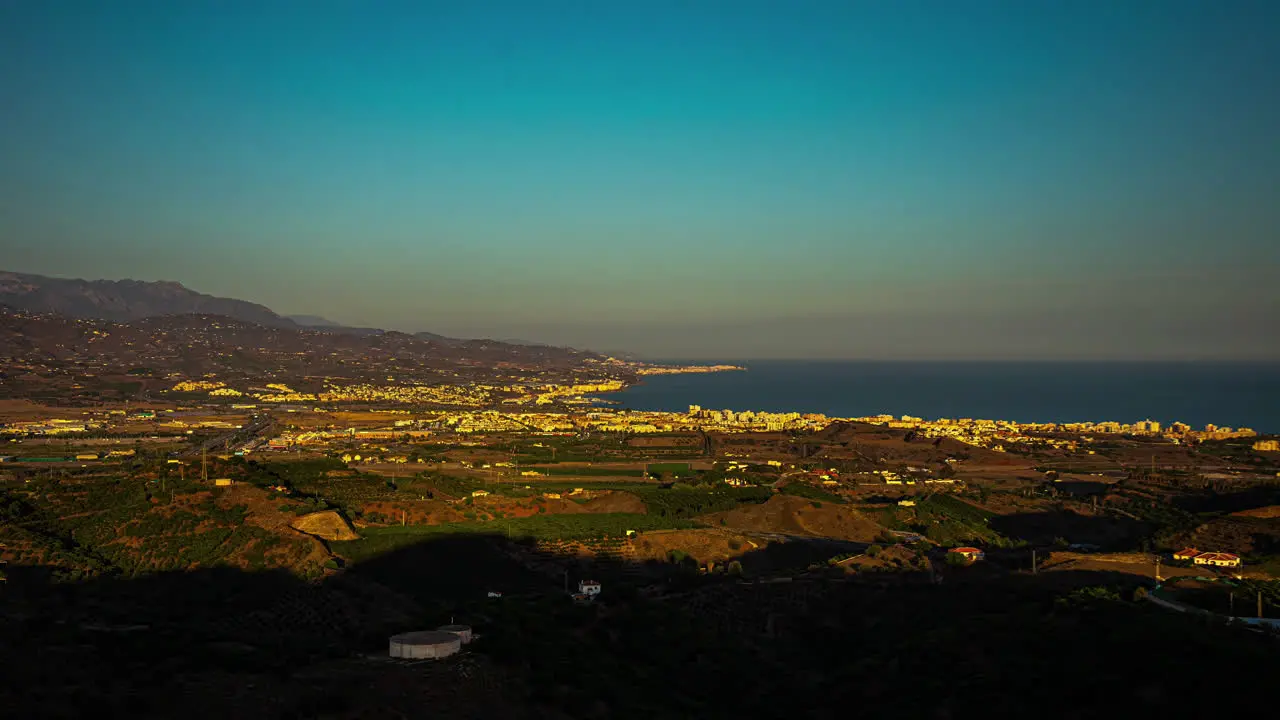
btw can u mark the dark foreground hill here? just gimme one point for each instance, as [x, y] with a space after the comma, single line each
[228, 643]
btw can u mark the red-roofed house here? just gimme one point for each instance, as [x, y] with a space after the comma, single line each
[1187, 554]
[969, 553]
[1220, 559]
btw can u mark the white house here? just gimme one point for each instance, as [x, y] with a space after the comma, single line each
[1220, 559]
[590, 588]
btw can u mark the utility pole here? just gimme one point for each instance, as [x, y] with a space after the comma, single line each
[1259, 604]
[1233, 603]
[1158, 578]
[204, 465]
[1033, 562]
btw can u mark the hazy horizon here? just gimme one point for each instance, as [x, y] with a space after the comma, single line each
[813, 180]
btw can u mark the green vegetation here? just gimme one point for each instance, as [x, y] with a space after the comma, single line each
[107, 525]
[560, 486]
[589, 471]
[948, 520]
[683, 501]
[377, 541]
[668, 467]
[289, 473]
[451, 485]
[805, 490]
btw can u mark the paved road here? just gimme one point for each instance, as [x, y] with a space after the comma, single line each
[257, 426]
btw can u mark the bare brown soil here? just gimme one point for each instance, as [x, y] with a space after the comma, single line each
[413, 512]
[616, 502]
[791, 515]
[1269, 511]
[704, 545]
[326, 525]
[1135, 564]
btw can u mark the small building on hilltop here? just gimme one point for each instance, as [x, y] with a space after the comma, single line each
[1186, 554]
[590, 588]
[1219, 559]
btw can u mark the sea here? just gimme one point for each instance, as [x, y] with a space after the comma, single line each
[1224, 394]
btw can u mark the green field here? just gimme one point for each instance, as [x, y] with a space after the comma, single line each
[683, 501]
[668, 467]
[948, 520]
[376, 541]
[811, 492]
[565, 485]
[588, 471]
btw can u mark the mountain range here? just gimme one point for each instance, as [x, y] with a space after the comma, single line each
[125, 301]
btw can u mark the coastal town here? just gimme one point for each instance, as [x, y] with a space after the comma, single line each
[382, 469]
[589, 416]
[407, 470]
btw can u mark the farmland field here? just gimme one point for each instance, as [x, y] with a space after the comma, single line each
[588, 471]
[377, 541]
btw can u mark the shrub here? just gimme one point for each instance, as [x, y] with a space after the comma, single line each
[874, 550]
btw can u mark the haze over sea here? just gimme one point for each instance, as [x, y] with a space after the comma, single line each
[1225, 394]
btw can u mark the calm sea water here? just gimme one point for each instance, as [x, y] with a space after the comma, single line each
[1225, 394]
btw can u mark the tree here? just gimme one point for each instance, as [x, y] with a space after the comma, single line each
[956, 559]
[874, 550]
[735, 567]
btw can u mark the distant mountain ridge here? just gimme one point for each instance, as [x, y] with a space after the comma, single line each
[313, 321]
[125, 301]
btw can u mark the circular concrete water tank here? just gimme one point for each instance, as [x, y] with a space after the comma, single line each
[462, 631]
[425, 644]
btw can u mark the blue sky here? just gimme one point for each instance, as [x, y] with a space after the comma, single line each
[1022, 179]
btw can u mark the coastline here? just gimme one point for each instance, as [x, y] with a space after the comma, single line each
[1197, 394]
[642, 370]
[686, 369]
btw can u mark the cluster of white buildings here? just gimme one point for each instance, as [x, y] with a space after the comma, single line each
[995, 434]
[747, 420]
[48, 427]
